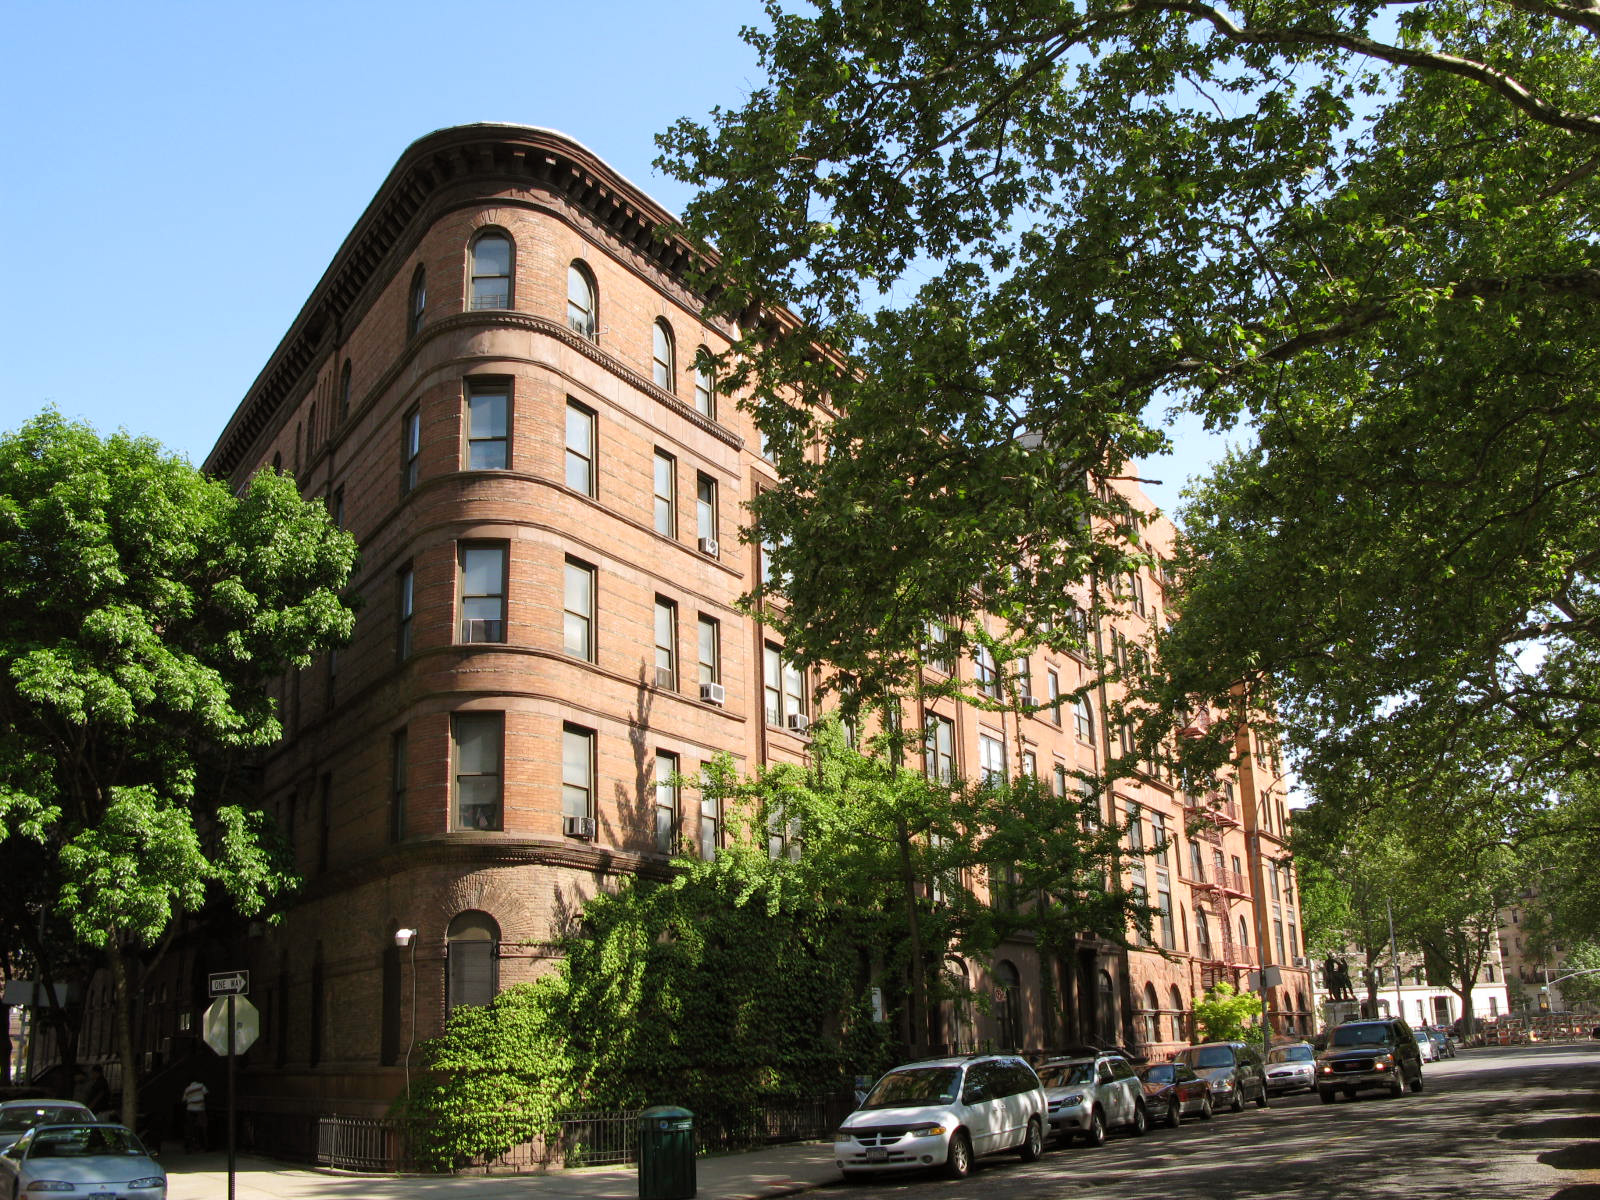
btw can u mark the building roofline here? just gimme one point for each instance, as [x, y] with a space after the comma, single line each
[522, 154]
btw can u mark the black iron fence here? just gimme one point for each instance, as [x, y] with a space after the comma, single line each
[583, 1138]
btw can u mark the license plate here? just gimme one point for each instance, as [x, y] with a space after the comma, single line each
[877, 1154]
[102, 1196]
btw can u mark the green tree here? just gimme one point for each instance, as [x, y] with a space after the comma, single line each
[145, 613]
[1581, 966]
[1023, 231]
[1225, 1014]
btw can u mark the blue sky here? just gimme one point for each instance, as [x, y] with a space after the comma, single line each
[179, 175]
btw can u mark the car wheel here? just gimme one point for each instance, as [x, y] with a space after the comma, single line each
[1238, 1100]
[1141, 1119]
[1397, 1086]
[1416, 1084]
[1032, 1149]
[1261, 1100]
[1327, 1095]
[1095, 1135]
[1174, 1114]
[1206, 1109]
[958, 1160]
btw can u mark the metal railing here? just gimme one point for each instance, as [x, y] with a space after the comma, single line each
[583, 1138]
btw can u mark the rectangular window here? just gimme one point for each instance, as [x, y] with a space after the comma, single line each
[710, 650]
[991, 758]
[783, 688]
[577, 616]
[705, 508]
[479, 738]
[577, 771]
[410, 449]
[710, 827]
[666, 491]
[936, 652]
[1053, 684]
[1024, 674]
[666, 802]
[1277, 935]
[580, 448]
[397, 786]
[939, 749]
[1158, 830]
[987, 673]
[483, 592]
[1164, 903]
[488, 425]
[1030, 764]
[666, 643]
[1135, 828]
[407, 602]
[1058, 781]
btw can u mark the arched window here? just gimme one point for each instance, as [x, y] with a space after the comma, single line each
[491, 271]
[663, 355]
[1106, 1009]
[1183, 924]
[1202, 934]
[705, 384]
[1177, 1014]
[1008, 1005]
[1244, 933]
[344, 392]
[1152, 1014]
[472, 959]
[583, 312]
[1083, 719]
[417, 305]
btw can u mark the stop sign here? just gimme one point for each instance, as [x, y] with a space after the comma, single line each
[246, 1024]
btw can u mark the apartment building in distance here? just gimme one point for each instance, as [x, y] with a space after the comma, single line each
[495, 386]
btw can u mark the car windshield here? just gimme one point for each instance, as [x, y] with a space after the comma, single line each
[1291, 1054]
[82, 1143]
[915, 1085]
[1209, 1056]
[1161, 1073]
[1067, 1074]
[26, 1117]
[1361, 1035]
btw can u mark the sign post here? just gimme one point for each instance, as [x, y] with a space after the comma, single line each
[232, 987]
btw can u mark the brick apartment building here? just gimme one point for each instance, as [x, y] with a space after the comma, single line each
[494, 386]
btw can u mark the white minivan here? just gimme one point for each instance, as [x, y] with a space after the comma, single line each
[945, 1112]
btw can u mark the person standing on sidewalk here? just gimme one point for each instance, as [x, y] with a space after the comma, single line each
[194, 1117]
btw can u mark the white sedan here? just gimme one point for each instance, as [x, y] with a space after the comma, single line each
[106, 1162]
[1425, 1046]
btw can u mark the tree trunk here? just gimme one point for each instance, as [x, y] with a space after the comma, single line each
[919, 966]
[1468, 1021]
[124, 1020]
[1372, 982]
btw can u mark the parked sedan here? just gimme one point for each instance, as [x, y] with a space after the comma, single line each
[1442, 1042]
[1291, 1068]
[1173, 1091]
[1426, 1046]
[106, 1162]
[19, 1116]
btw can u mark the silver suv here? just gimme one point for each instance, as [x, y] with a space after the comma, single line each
[1090, 1094]
[944, 1112]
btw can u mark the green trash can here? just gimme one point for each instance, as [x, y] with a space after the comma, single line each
[666, 1153]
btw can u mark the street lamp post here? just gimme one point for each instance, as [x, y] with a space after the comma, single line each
[408, 938]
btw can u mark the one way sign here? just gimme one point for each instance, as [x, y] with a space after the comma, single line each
[229, 983]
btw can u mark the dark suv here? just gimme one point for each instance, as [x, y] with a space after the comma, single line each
[1379, 1053]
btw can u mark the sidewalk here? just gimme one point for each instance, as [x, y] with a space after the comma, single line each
[757, 1175]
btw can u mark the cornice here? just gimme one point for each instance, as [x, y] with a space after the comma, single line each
[487, 156]
[469, 851]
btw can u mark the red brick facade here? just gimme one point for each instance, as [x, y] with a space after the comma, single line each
[383, 848]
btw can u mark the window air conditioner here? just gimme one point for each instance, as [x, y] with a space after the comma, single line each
[580, 827]
[1302, 962]
[713, 693]
[1027, 700]
[666, 677]
[709, 547]
[798, 722]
